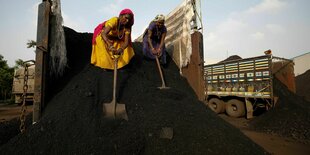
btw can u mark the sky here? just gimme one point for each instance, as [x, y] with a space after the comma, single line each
[230, 27]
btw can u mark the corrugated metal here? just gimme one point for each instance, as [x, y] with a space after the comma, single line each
[178, 38]
[302, 64]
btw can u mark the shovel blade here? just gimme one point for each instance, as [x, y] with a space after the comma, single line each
[163, 87]
[115, 111]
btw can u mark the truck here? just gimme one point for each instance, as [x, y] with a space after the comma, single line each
[243, 87]
[19, 85]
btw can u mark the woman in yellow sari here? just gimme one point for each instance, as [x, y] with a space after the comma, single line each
[113, 37]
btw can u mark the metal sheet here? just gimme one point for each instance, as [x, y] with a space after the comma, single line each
[41, 54]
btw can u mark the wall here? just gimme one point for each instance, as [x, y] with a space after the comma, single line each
[194, 72]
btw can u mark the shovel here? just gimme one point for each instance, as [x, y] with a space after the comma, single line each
[163, 84]
[113, 109]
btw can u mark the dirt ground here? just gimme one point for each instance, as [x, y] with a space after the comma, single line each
[274, 144]
[12, 111]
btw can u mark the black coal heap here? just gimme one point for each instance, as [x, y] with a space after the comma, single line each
[73, 122]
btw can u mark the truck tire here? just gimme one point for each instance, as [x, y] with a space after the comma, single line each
[216, 105]
[235, 108]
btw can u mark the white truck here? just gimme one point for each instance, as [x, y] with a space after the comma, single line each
[19, 86]
[239, 87]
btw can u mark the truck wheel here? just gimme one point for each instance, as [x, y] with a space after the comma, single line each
[216, 105]
[235, 108]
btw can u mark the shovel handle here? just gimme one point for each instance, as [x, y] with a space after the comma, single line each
[160, 72]
[115, 78]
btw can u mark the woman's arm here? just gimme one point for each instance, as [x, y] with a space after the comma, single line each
[125, 44]
[104, 35]
[161, 44]
[162, 40]
[149, 40]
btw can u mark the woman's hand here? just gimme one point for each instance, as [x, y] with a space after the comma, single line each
[119, 51]
[109, 42]
[158, 51]
[154, 51]
[111, 48]
[104, 35]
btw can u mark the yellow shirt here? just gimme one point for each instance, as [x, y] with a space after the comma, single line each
[102, 57]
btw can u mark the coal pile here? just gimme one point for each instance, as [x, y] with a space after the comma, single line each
[10, 129]
[290, 118]
[169, 121]
[231, 58]
[303, 86]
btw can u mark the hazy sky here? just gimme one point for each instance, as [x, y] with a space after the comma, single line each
[231, 27]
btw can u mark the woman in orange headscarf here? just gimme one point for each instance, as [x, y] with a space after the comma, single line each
[113, 37]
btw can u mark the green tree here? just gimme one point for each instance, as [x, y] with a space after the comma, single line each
[6, 79]
[31, 44]
[7, 73]
[19, 63]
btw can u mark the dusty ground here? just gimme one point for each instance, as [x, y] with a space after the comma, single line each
[11, 111]
[285, 129]
[274, 144]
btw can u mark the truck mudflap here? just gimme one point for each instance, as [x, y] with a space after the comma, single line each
[249, 109]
